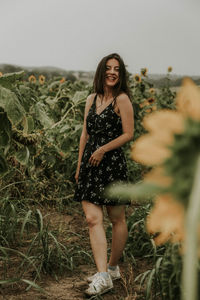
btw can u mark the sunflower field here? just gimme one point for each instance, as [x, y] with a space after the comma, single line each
[40, 124]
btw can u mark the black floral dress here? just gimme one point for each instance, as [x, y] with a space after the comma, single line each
[102, 128]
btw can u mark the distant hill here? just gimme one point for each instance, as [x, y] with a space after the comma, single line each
[158, 80]
[47, 71]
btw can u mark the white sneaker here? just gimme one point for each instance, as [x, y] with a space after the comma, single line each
[99, 285]
[115, 274]
[91, 278]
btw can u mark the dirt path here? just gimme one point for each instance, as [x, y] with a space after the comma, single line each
[71, 288]
[72, 285]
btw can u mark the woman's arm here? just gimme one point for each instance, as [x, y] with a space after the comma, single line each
[126, 113]
[84, 134]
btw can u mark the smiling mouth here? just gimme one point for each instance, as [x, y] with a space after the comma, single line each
[112, 78]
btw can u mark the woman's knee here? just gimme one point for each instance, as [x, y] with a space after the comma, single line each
[93, 219]
[117, 215]
[93, 213]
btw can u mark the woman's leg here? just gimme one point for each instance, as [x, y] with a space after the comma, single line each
[94, 217]
[116, 215]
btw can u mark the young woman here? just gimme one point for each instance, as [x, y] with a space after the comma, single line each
[108, 124]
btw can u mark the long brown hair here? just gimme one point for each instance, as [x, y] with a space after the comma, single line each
[99, 78]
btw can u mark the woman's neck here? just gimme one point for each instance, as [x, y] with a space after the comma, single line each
[108, 94]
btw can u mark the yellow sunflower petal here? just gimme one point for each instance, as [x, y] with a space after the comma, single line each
[148, 151]
[157, 176]
[148, 110]
[32, 79]
[144, 71]
[162, 238]
[166, 217]
[169, 120]
[41, 79]
[188, 99]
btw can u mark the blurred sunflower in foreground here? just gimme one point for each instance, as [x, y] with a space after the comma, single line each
[171, 148]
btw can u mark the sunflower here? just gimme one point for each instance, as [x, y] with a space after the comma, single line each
[137, 78]
[162, 148]
[1, 74]
[152, 91]
[144, 71]
[41, 79]
[151, 100]
[169, 69]
[144, 103]
[32, 79]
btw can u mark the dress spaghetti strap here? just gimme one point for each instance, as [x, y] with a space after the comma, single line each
[114, 101]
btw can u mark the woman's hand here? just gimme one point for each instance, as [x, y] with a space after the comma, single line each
[96, 157]
[77, 175]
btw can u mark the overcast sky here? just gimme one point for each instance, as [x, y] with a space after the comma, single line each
[76, 34]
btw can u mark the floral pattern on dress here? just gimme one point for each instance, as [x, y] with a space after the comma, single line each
[102, 128]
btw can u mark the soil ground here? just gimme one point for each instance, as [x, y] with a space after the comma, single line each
[71, 284]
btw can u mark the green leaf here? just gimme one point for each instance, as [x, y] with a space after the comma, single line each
[23, 156]
[9, 281]
[8, 79]
[33, 284]
[65, 128]
[67, 144]
[28, 124]
[3, 165]
[11, 105]
[5, 131]
[26, 219]
[51, 101]
[130, 191]
[42, 116]
[4, 139]
[79, 96]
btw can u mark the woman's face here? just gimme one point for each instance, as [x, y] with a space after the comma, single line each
[112, 72]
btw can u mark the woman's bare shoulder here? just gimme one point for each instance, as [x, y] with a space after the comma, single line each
[90, 98]
[123, 98]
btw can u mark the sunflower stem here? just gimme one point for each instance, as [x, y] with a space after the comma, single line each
[190, 259]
